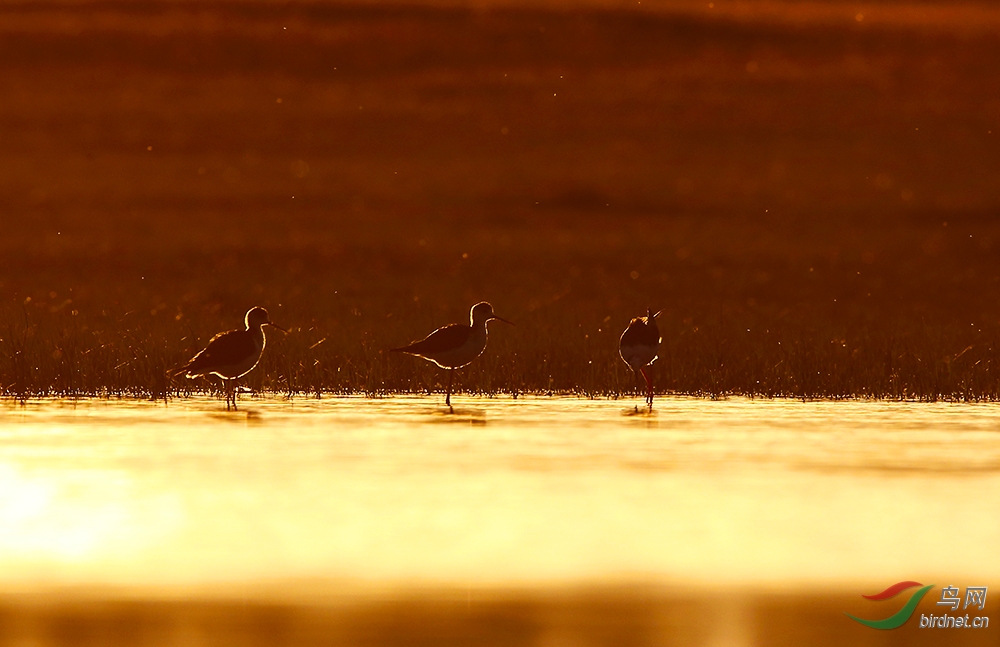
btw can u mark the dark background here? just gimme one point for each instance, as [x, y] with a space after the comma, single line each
[811, 197]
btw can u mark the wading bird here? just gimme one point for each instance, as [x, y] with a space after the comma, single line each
[231, 355]
[638, 347]
[455, 345]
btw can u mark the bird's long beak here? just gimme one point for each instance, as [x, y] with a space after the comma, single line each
[274, 325]
[503, 320]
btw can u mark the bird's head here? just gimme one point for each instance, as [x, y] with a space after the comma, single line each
[257, 317]
[483, 312]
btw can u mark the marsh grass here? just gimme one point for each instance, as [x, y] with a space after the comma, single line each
[812, 204]
[813, 328]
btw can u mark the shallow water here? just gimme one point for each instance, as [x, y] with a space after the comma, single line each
[535, 492]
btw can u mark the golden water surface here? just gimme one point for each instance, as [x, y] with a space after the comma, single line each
[358, 497]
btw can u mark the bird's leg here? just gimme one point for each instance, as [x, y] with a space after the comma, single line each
[635, 385]
[649, 388]
[225, 390]
[447, 397]
[236, 384]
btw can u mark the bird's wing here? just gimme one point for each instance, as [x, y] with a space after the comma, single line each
[219, 352]
[443, 339]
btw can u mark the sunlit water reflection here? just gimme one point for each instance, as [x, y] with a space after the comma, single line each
[526, 492]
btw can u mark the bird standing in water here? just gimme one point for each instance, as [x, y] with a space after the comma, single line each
[639, 345]
[231, 355]
[455, 345]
